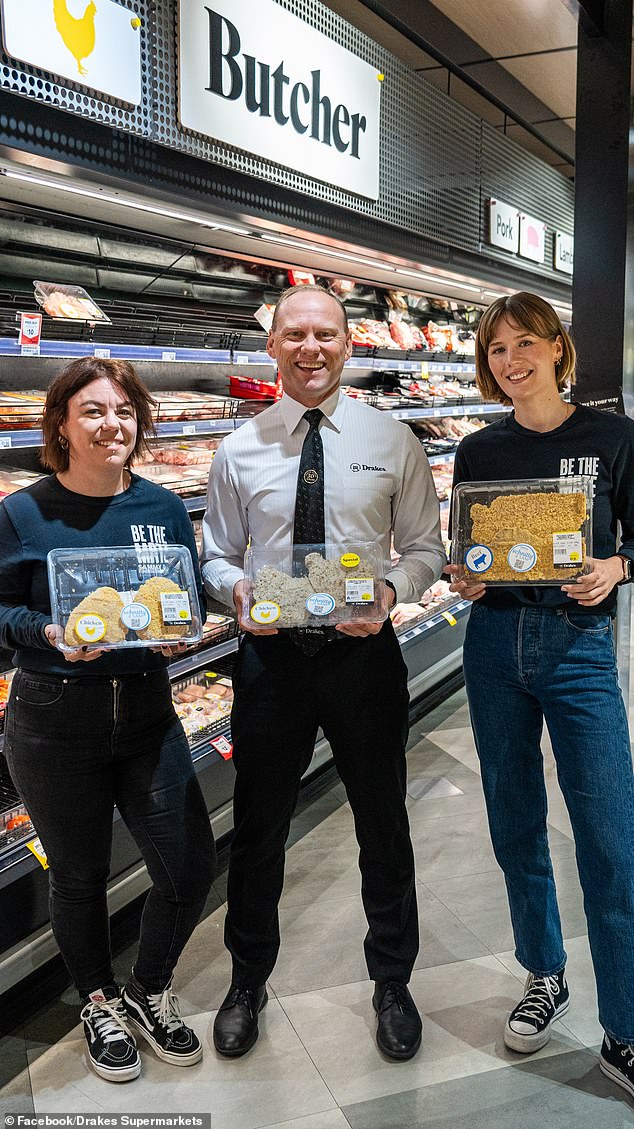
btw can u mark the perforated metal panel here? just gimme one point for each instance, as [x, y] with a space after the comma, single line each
[438, 161]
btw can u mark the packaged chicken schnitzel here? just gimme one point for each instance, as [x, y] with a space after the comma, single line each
[128, 596]
[315, 585]
[534, 531]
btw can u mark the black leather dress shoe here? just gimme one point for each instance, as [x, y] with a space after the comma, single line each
[236, 1025]
[400, 1030]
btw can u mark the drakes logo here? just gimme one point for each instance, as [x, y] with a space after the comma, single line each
[364, 466]
[233, 76]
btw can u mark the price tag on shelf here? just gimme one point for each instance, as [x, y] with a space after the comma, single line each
[5, 440]
[170, 355]
[424, 370]
[223, 746]
[241, 359]
[36, 848]
[103, 353]
[189, 429]
[451, 619]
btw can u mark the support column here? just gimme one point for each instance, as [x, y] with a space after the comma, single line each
[601, 199]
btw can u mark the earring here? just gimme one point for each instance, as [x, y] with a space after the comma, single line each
[63, 442]
[558, 362]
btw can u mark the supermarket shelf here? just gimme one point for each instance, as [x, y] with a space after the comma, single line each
[447, 409]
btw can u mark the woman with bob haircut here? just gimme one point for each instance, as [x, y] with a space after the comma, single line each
[535, 654]
[88, 729]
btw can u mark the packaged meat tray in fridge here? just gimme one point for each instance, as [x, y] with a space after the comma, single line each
[124, 596]
[315, 585]
[14, 478]
[71, 303]
[534, 531]
[203, 703]
[171, 407]
[20, 410]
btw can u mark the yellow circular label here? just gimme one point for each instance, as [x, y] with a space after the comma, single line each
[90, 628]
[265, 612]
[350, 560]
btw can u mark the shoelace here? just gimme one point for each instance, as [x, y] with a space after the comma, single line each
[628, 1049]
[166, 1008]
[539, 998]
[394, 994]
[108, 1019]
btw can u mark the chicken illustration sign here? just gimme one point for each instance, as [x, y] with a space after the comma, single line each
[255, 76]
[95, 43]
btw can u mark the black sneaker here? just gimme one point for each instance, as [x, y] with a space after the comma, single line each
[617, 1062]
[545, 999]
[157, 1016]
[112, 1050]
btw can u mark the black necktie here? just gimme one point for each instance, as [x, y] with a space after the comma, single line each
[309, 525]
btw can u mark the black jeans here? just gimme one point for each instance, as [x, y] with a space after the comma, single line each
[356, 689]
[76, 747]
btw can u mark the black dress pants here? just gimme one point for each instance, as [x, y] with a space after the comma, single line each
[356, 690]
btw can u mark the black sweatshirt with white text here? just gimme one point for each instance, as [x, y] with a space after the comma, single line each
[590, 442]
[47, 516]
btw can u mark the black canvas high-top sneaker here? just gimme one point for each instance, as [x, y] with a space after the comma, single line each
[156, 1015]
[617, 1063]
[112, 1051]
[528, 1027]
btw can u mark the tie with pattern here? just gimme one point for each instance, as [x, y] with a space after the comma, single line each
[309, 525]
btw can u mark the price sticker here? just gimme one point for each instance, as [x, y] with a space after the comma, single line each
[189, 429]
[36, 848]
[451, 619]
[175, 608]
[5, 440]
[223, 746]
[168, 355]
[103, 353]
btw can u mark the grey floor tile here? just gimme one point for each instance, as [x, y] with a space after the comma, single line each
[16, 1096]
[452, 712]
[327, 1119]
[562, 1092]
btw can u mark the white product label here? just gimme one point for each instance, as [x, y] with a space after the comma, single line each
[360, 590]
[169, 355]
[478, 558]
[264, 316]
[321, 603]
[265, 612]
[135, 616]
[29, 350]
[90, 628]
[175, 608]
[567, 548]
[5, 441]
[189, 429]
[256, 76]
[104, 354]
[522, 557]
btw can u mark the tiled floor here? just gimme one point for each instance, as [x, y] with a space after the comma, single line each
[316, 1065]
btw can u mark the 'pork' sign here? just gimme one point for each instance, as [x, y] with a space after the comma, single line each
[256, 77]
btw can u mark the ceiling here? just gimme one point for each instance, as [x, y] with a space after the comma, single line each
[522, 53]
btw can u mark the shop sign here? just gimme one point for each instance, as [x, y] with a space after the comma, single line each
[95, 44]
[564, 252]
[256, 77]
[532, 238]
[503, 226]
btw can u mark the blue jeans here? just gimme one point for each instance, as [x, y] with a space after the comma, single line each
[76, 747]
[523, 666]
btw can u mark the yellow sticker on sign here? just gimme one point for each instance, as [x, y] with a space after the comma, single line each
[36, 848]
[451, 619]
[350, 560]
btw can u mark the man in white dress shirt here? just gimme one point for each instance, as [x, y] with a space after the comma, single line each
[376, 483]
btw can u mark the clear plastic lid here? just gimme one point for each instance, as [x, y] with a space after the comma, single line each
[125, 596]
[315, 585]
[72, 303]
[535, 531]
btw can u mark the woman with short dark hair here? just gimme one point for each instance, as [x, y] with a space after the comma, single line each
[90, 728]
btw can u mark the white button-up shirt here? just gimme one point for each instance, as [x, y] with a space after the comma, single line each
[377, 482]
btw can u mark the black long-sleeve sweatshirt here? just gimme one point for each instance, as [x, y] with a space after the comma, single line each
[48, 516]
[589, 442]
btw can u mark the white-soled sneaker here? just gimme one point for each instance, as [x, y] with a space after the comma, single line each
[528, 1027]
[617, 1062]
[112, 1051]
[157, 1016]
